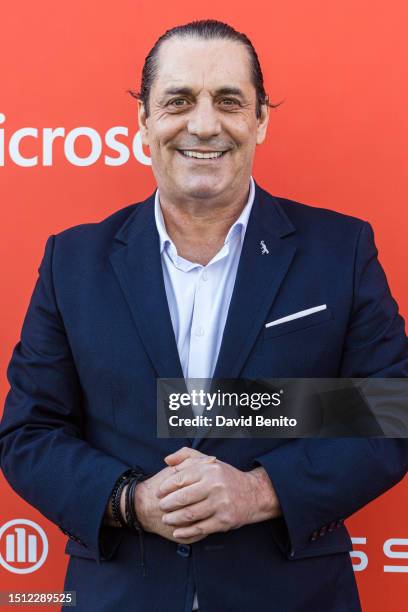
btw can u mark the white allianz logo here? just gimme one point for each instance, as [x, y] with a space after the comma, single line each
[45, 143]
[23, 546]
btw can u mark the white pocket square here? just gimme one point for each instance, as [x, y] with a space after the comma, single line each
[296, 315]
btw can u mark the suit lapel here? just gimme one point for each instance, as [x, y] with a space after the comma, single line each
[137, 264]
[259, 277]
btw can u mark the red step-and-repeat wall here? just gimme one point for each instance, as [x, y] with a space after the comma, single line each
[70, 153]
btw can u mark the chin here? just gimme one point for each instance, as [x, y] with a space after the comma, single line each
[201, 189]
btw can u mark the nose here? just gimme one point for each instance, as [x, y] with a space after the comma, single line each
[203, 121]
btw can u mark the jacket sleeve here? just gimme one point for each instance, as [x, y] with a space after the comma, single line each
[321, 482]
[43, 454]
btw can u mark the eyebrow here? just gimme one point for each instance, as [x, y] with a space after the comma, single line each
[188, 91]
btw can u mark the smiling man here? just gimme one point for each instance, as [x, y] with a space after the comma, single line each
[202, 118]
[211, 276]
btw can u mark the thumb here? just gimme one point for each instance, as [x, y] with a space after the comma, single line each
[183, 453]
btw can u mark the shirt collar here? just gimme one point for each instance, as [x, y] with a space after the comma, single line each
[239, 226]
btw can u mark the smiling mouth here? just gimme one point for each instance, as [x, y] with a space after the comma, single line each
[201, 154]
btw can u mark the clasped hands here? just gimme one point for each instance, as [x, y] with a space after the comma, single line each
[197, 494]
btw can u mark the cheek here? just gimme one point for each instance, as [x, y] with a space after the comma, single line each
[243, 131]
[167, 129]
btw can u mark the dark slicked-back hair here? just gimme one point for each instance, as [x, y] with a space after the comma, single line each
[207, 29]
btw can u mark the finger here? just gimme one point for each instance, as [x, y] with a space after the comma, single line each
[177, 480]
[190, 514]
[184, 497]
[193, 461]
[202, 528]
[189, 471]
[181, 454]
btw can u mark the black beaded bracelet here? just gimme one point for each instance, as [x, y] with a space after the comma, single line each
[117, 492]
[130, 511]
[116, 510]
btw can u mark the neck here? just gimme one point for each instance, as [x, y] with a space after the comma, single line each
[198, 230]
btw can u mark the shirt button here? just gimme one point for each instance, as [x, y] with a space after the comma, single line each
[184, 550]
[204, 275]
[199, 331]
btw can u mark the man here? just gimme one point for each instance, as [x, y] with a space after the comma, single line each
[183, 285]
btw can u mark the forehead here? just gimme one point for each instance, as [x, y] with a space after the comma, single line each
[199, 63]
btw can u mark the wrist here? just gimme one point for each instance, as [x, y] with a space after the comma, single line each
[114, 513]
[265, 500]
[119, 512]
[141, 508]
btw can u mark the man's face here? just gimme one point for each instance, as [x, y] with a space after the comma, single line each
[202, 103]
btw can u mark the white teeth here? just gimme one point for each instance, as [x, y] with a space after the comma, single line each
[199, 155]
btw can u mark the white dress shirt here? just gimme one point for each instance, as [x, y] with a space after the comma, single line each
[199, 296]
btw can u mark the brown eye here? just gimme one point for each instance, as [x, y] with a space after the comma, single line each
[229, 102]
[178, 102]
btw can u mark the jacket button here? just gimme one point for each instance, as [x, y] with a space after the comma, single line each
[184, 550]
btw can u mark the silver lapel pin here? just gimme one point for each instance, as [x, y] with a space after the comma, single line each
[264, 249]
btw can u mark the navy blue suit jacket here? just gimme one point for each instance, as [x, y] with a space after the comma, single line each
[82, 407]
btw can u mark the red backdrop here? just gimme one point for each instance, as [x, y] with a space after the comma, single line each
[339, 141]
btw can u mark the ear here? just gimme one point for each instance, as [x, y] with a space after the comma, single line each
[263, 121]
[142, 120]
